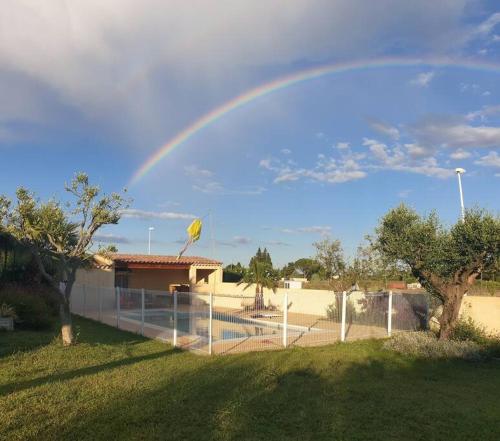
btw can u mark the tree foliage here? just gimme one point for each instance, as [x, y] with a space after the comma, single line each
[263, 257]
[61, 234]
[446, 261]
[329, 256]
[260, 273]
[233, 272]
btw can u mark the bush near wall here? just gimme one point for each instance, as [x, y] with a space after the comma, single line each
[36, 306]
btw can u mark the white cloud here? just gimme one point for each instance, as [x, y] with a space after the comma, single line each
[385, 129]
[108, 59]
[487, 26]
[418, 151]
[110, 238]
[483, 114]
[133, 213]
[342, 145]
[242, 240]
[235, 241]
[212, 187]
[460, 154]
[327, 170]
[266, 163]
[492, 159]
[286, 151]
[316, 229]
[422, 79]
[277, 243]
[456, 134]
[384, 154]
[396, 159]
[196, 172]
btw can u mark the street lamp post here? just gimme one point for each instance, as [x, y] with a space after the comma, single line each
[459, 172]
[149, 239]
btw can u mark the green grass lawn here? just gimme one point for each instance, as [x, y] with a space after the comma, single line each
[114, 385]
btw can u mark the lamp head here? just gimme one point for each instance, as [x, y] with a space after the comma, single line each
[151, 228]
[459, 171]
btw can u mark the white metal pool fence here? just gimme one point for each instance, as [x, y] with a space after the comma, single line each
[221, 323]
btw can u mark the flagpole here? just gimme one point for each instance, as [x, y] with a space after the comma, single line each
[212, 239]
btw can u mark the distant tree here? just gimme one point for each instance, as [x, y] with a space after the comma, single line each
[262, 276]
[288, 270]
[266, 258]
[233, 273]
[307, 267]
[61, 234]
[107, 250]
[329, 255]
[446, 261]
[263, 257]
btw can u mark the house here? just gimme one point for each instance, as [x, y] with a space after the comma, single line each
[396, 284]
[294, 283]
[154, 272]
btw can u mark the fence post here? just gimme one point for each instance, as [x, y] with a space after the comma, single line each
[344, 307]
[285, 320]
[99, 314]
[210, 325]
[118, 307]
[175, 318]
[84, 300]
[389, 315]
[142, 311]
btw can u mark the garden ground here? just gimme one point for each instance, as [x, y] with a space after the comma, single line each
[117, 385]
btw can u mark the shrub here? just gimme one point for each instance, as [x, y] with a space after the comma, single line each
[468, 330]
[426, 345]
[32, 310]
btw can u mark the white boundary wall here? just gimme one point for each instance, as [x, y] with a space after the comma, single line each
[305, 301]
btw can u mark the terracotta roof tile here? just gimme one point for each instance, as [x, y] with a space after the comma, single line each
[158, 259]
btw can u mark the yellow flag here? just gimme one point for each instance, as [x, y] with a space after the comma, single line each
[194, 230]
[194, 233]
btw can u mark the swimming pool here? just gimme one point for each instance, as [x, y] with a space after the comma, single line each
[225, 326]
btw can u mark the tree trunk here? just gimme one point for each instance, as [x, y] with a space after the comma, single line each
[66, 324]
[451, 309]
[65, 312]
[259, 296]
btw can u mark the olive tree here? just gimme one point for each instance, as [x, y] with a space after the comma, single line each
[446, 261]
[329, 255]
[60, 235]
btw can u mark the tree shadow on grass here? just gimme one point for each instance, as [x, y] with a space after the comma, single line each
[12, 342]
[77, 373]
[93, 332]
[250, 398]
[85, 330]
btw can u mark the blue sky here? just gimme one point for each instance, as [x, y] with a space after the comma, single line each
[100, 86]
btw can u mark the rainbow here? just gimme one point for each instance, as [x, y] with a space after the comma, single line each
[290, 80]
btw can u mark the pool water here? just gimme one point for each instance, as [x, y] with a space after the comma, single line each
[187, 323]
